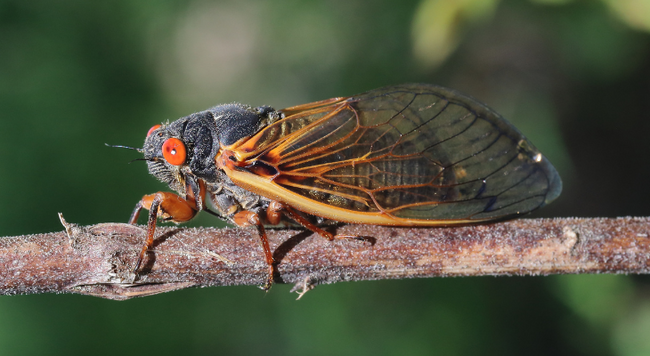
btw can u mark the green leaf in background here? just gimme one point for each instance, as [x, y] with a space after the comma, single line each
[439, 25]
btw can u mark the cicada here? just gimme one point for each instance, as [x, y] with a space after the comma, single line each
[405, 155]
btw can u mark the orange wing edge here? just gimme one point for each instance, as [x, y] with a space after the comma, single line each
[267, 188]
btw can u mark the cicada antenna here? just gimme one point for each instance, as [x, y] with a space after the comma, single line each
[127, 147]
[130, 148]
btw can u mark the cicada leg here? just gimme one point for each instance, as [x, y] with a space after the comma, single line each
[274, 213]
[249, 218]
[169, 207]
[294, 215]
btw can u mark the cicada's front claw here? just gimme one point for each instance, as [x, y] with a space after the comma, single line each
[169, 207]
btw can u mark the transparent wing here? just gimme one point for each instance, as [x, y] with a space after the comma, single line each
[413, 153]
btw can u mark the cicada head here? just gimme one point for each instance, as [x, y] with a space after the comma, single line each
[182, 149]
[186, 148]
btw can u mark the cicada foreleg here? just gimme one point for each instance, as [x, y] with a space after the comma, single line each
[169, 207]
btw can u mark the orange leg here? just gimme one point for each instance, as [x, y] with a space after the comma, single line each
[249, 218]
[168, 206]
[308, 225]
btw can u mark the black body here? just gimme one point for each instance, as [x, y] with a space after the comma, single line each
[203, 134]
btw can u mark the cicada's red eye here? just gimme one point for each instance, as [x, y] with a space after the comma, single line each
[174, 151]
[152, 129]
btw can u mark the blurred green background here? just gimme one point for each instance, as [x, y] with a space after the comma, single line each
[574, 76]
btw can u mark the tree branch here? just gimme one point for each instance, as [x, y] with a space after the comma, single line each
[97, 260]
